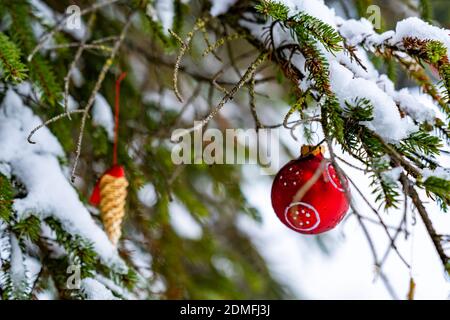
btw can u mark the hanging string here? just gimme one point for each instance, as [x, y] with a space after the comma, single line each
[116, 116]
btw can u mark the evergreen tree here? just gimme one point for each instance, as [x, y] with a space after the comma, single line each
[188, 60]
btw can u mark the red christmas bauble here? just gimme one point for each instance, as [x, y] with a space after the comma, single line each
[323, 205]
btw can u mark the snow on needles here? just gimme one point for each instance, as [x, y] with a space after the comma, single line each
[358, 31]
[348, 80]
[49, 193]
[94, 290]
[387, 121]
[414, 27]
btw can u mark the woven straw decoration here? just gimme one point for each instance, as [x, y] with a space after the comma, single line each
[113, 192]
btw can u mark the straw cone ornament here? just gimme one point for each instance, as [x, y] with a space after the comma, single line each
[110, 194]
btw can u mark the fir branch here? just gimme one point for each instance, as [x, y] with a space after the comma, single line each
[6, 199]
[13, 69]
[420, 141]
[332, 118]
[29, 228]
[434, 53]
[304, 23]
[385, 189]
[80, 252]
[22, 34]
[440, 188]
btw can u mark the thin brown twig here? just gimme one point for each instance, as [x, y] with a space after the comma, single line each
[350, 164]
[101, 77]
[60, 25]
[397, 232]
[341, 176]
[51, 120]
[435, 237]
[252, 102]
[385, 227]
[73, 64]
[394, 228]
[248, 73]
[78, 44]
[401, 160]
[200, 24]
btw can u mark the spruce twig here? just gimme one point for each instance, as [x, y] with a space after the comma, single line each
[200, 24]
[59, 26]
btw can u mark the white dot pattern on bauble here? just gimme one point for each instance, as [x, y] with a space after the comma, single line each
[306, 217]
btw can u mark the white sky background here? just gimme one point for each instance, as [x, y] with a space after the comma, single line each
[349, 272]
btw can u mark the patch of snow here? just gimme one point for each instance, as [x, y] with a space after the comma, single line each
[18, 272]
[361, 31]
[4, 244]
[417, 110]
[141, 259]
[147, 195]
[72, 104]
[50, 17]
[25, 88]
[165, 12]
[183, 223]
[102, 115]
[77, 77]
[45, 295]
[392, 175]
[356, 68]
[113, 287]
[5, 169]
[219, 7]
[94, 290]
[315, 8]
[407, 101]
[43, 11]
[417, 28]
[355, 31]
[165, 99]
[387, 121]
[224, 266]
[443, 173]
